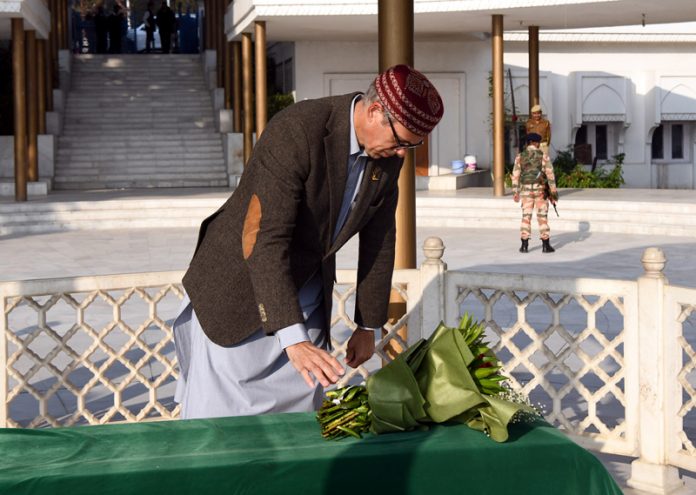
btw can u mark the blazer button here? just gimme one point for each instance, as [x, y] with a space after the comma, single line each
[262, 313]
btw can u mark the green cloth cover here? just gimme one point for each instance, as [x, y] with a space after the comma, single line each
[285, 454]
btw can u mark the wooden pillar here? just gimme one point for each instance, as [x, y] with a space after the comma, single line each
[228, 76]
[237, 86]
[395, 26]
[20, 122]
[533, 66]
[261, 90]
[42, 82]
[207, 24]
[498, 108]
[52, 57]
[32, 106]
[248, 111]
[62, 24]
[221, 41]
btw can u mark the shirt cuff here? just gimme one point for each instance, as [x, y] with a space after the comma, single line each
[294, 334]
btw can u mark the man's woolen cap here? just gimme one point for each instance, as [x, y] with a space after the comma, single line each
[533, 137]
[536, 108]
[410, 98]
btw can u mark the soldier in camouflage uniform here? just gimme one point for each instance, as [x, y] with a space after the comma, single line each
[529, 176]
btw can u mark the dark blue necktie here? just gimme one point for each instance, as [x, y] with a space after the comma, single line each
[354, 170]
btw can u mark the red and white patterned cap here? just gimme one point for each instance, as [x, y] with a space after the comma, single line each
[410, 98]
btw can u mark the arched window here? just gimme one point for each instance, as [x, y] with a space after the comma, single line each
[669, 142]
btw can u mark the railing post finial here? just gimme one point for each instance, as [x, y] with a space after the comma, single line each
[654, 262]
[433, 249]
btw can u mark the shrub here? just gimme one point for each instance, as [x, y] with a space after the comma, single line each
[574, 175]
[278, 101]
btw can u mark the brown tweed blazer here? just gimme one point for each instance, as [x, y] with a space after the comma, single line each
[275, 231]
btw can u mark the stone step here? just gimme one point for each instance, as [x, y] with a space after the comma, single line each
[664, 218]
[122, 169]
[197, 142]
[125, 166]
[139, 122]
[116, 176]
[161, 154]
[86, 130]
[135, 183]
[633, 218]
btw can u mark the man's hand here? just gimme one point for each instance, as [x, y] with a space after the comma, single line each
[310, 361]
[361, 347]
[516, 197]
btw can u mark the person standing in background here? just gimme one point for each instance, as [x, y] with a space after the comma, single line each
[530, 175]
[537, 124]
[150, 28]
[165, 25]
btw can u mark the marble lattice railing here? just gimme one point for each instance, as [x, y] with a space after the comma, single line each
[612, 362]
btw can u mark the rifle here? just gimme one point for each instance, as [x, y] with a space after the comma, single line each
[549, 196]
[516, 143]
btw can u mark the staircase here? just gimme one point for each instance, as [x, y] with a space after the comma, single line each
[139, 121]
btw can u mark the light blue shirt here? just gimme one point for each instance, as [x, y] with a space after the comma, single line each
[311, 294]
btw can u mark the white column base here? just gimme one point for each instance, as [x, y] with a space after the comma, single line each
[655, 478]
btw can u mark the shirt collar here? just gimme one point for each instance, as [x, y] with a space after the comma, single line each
[354, 145]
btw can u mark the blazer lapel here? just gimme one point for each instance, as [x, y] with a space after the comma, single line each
[337, 144]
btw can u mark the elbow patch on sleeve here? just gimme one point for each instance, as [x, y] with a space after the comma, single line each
[252, 224]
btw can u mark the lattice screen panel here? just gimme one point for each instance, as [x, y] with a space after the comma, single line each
[342, 325]
[106, 356]
[91, 357]
[687, 378]
[565, 351]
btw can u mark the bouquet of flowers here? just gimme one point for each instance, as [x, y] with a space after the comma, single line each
[451, 376]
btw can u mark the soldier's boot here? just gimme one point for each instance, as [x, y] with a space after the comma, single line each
[546, 246]
[525, 246]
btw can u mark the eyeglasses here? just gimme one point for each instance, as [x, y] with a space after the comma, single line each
[401, 145]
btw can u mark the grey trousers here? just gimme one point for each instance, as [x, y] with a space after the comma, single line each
[252, 377]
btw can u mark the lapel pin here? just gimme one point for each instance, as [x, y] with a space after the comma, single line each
[376, 174]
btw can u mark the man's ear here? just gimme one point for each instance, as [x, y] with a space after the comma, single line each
[374, 110]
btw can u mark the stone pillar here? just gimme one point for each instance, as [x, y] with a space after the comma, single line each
[432, 276]
[651, 472]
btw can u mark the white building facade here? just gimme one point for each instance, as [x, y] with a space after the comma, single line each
[620, 90]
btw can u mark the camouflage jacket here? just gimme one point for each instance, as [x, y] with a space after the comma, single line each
[532, 166]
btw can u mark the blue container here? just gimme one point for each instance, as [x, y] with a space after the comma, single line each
[457, 166]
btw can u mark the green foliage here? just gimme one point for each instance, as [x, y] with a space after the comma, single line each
[564, 163]
[571, 174]
[279, 101]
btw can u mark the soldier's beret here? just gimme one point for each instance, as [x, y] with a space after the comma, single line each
[533, 137]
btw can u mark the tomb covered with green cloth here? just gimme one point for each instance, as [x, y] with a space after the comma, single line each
[285, 454]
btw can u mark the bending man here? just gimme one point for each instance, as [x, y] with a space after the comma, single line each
[253, 337]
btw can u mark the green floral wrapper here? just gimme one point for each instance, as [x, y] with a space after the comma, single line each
[431, 383]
